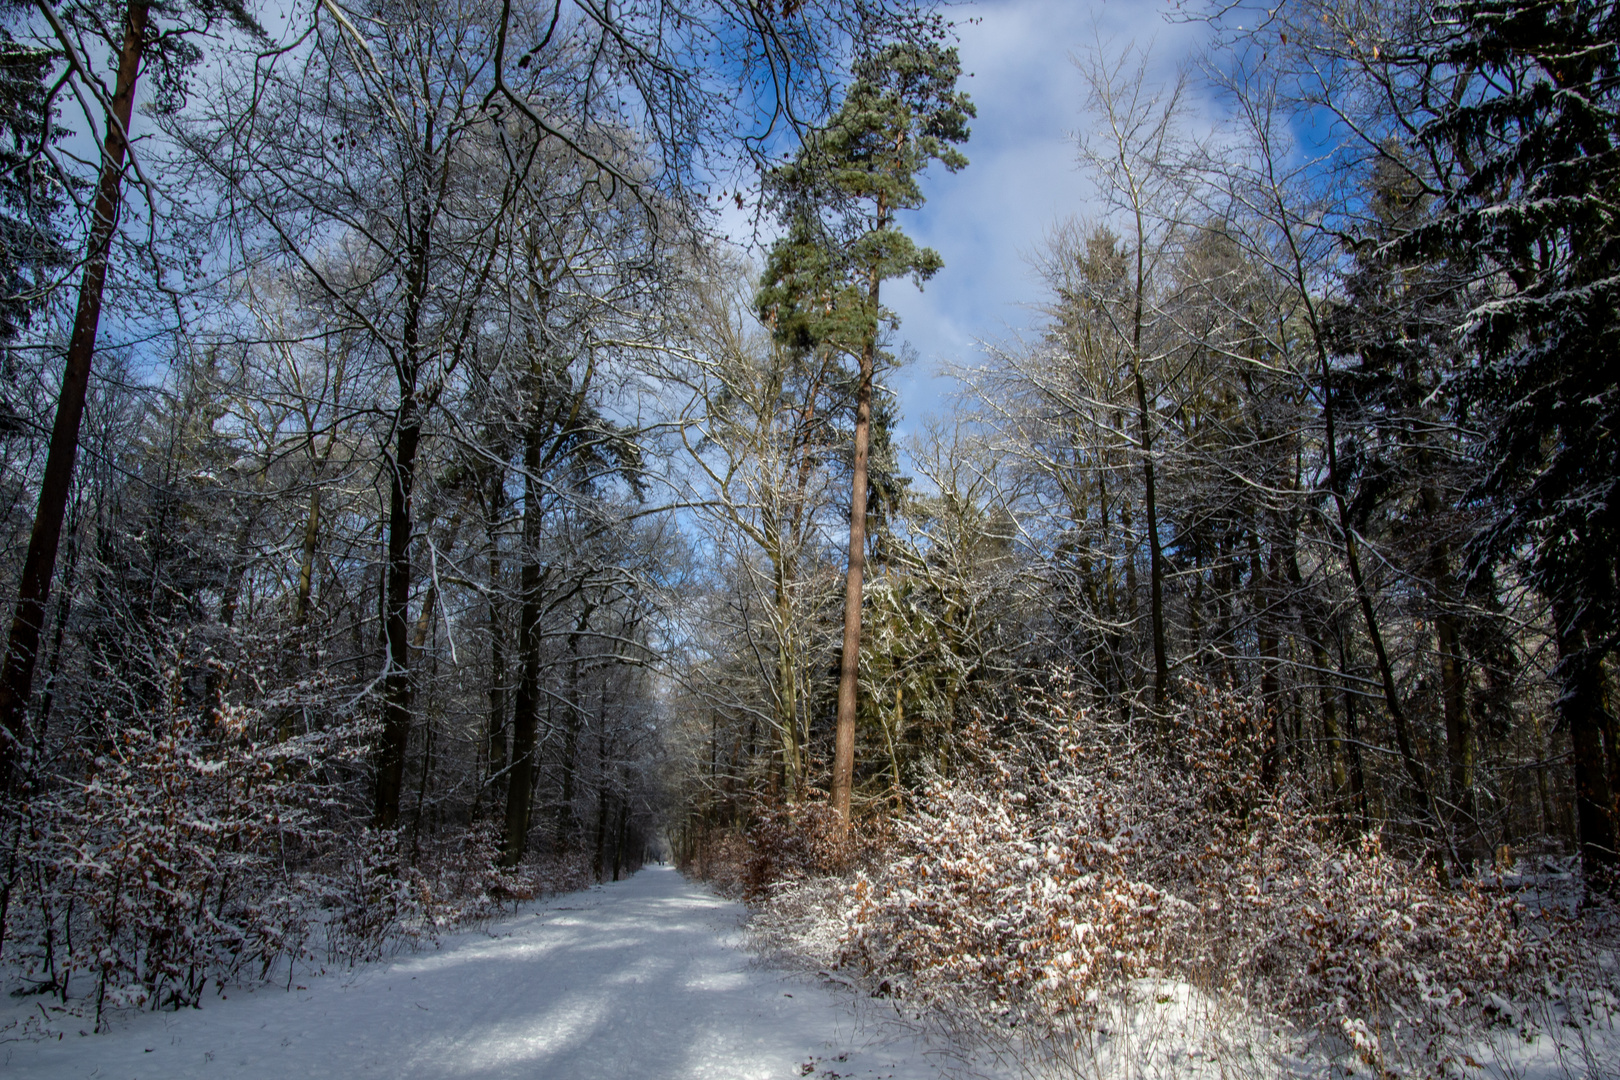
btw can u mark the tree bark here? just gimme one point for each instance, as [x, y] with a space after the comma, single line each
[622, 825]
[1316, 630]
[397, 697]
[1264, 581]
[34, 586]
[495, 736]
[787, 691]
[306, 559]
[843, 776]
[1580, 706]
[1161, 659]
[397, 688]
[601, 786]
[566, 823]
[1459, 734]
[526, 704]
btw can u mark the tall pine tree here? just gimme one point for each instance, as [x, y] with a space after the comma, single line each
[838, 198]
[137, 33]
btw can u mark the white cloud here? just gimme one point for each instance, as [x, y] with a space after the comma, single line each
[987, 220]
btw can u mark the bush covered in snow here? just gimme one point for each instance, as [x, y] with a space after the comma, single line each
[783, 845]
[201, 843]
[1027, 891]
[164, 866]
[383, 896]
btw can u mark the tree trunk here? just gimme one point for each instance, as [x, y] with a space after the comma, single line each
[601, 787]
[312, 523]
[566, 823]
[1316, 629]
[526, 704]
[1161, 660]
[1352, 557]
[430, 602]
[843, 777]
[34, 585]
[1459, 735]
[1580, 706]
[619, 837]
[396, 632]
[397, 689]
[565, 806]
[306, 559]
[1358, 775]
[495, 736]
[1260, 581]
[787, 691]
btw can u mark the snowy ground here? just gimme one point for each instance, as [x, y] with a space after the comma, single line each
[642, 978]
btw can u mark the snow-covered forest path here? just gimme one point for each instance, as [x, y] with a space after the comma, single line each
[639, 979]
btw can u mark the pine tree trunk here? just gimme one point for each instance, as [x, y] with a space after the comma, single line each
[843, 776]
[34, 585]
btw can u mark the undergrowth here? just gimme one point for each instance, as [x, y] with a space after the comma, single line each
[1074, 891]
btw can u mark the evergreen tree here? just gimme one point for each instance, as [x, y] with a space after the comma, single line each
[138, 36]
[839, 197]
[30, 196]
[1536, 146]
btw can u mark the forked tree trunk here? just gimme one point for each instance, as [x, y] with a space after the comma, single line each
[34, 586]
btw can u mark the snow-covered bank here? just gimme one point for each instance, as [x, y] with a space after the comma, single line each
[1090, 909]
[640, 978]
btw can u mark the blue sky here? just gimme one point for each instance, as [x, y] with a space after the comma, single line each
[1023, 179]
